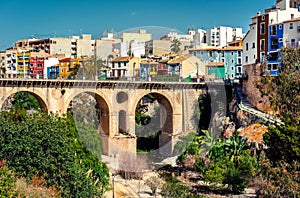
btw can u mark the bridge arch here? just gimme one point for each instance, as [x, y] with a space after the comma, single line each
[38, 95]
[164, 100]
[104, 107]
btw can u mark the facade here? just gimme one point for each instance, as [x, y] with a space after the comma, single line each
[141, 36]
[124, 67]
[186, 66]
[2, 64]
[137, 49]
[223, 62]
[275, 43]
[51, 68]
[121, 48]
[11, 63]
[72, 47]
[23, 63]
[256, 42]
[148, 69]
[220, 36]
[68, 66]
[199, 39]
[157, 47]
[85, 46]
[216, 70]
[104, 48]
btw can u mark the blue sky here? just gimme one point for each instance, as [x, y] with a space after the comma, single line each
[21, 19]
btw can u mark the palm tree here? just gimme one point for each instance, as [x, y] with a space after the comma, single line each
[175, 46]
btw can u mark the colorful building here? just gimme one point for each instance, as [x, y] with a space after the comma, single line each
[68, 66]
[275, 43]
[23, 62]
[230, 57]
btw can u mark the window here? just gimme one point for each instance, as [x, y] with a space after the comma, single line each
[246, 46]
[223, 60]
[232, 68]
[263, 17]
[280, 27]
[239, 61]
[232, 61]
[253, 45]
[274, 66]
[231, 53]
[273, 30]
[291, 26]
[293, 42]
[262, 44]
[292, 16]
[239, 53]
[262, 28]
[274, 43]
[246, 59]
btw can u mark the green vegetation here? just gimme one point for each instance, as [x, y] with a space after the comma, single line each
[222, 162]
[280, 168]
[147, 127]
[175, 45]
[24, 100]
[50, 147]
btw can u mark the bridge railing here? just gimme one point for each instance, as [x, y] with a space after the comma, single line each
[265, 116]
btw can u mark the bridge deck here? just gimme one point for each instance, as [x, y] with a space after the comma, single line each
[47, 83]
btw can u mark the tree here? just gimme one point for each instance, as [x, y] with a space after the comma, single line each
[50, 146]
[154, 183]
[284, 94]
[175, 45]
[284, 89]
[24, 100]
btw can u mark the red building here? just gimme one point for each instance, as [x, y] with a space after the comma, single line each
[36, 67]
[163, 68]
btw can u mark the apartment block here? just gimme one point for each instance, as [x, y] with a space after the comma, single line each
[220, 36]
[141, 36]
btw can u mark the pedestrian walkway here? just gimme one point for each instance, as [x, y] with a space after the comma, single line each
[246, 106]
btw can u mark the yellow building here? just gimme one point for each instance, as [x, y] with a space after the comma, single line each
[23, 61]
[68, 66]
[186, 66]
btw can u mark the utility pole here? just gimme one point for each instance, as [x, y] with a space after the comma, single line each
[95, 60]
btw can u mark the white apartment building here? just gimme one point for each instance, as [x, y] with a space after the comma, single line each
[11, 63]
[181, 37]
[137, 49]
[121, 49]
[291, 36]
[249, 44]
[220, 36]
[199, 38]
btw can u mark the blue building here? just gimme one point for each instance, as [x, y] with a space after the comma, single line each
[216, 57]
[53, 72]
[275, 43]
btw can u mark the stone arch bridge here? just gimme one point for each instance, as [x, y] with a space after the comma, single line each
[117, 101]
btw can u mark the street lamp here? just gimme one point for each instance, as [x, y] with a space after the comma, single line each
[197, 72]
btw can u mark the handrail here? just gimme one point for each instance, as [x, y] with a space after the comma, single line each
[260, 114]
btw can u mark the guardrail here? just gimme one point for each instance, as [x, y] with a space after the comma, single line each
[260, 114]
